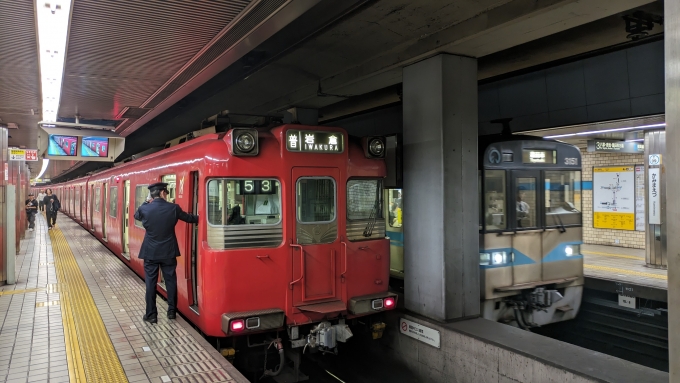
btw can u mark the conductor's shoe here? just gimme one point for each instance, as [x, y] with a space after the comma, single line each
[150, 320]
[171, 315]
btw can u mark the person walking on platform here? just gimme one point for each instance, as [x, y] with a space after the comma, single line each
[159, 248]
[31, 211]
[41, 204]
[52, 206]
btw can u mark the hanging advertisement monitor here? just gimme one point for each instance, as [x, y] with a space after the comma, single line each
[59, 145]
[94, 147]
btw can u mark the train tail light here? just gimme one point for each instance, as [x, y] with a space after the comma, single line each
[244, 142]
[374, 147]
[367, 304]
[252, 321]
[237, 325]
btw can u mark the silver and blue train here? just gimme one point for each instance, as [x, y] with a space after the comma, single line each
[530, 230]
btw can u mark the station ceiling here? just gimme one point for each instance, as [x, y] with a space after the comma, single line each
[156, 69]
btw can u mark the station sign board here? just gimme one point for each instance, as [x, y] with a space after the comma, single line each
[23, 154]
[613, 146]
[654, 190]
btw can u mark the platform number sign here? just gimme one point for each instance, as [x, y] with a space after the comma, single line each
[257, 186]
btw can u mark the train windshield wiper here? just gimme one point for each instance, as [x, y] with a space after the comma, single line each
[373, 217]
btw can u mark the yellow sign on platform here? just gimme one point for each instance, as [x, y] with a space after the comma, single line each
[618, 221]
[614, 169]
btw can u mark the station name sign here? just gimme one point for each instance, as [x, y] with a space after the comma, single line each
[613, 146]
[314, 142]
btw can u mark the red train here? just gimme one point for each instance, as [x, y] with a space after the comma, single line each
[98, 146]
[290, 234]
[67, 143]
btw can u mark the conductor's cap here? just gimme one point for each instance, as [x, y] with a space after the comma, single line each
[158, 186]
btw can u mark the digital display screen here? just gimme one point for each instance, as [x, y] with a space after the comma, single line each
[62, 145]
[537, 156]
[95, 147]
[314, 142]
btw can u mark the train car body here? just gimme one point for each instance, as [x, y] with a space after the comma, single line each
[531, 267]
[290, 232]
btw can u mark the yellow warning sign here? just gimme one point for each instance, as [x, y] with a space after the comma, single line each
[618, 221]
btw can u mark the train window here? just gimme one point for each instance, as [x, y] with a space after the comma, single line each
[562, 197]
[494, 200]
[141, 194]
[315, 199]
[97, 198]
[244, 201]
[364, 199]
[170, 179]
[526, 202]
[113, 201]
[394, 203]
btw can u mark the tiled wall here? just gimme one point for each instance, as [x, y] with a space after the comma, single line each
[622, 238]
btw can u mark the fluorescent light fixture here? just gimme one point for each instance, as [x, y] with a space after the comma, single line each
[44, 167]
[54, 17]
[642, 127]
[636, 140]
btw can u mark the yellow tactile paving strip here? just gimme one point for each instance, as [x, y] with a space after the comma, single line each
[614, 255]
[89, 351]
[624, 271]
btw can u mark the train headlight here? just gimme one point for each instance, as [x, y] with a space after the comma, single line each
[244, 142]
[498, 258]
[572, 250]
[376, 147]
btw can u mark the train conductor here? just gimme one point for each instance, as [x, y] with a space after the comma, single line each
[160, 248]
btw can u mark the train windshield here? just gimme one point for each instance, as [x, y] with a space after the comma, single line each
[563, 197]
[244, 201]
[364, 199]
[495, 216]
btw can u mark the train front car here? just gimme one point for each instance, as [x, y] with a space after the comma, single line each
[531, 267]
[295, 235]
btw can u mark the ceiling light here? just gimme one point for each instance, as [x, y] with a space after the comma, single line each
[636, 140]
[652, 126]
[45, 162]
[54, 17]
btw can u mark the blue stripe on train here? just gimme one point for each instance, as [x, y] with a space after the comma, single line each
[396, 238]
[555, 255]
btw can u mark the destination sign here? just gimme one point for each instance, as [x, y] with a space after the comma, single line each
[536, 156]
[314, 142]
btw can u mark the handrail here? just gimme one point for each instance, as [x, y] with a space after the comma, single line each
[344, 253]
[302, 265]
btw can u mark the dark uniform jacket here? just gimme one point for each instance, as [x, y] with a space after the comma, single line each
[159, 218]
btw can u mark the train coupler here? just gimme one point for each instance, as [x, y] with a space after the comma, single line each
[377, 330]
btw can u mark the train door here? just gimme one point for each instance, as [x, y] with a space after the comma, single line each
[80, 204]
[318, 261]
[527, 248]
[104, 209]
[395, 232]
[193, 259]
[126, 220]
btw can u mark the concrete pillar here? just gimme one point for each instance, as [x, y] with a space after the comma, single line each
[672, 159]
[441, 211]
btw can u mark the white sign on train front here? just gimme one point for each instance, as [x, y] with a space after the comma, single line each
[420, 332]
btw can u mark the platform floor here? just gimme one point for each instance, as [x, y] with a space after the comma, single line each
[75, 315]
[621, 264]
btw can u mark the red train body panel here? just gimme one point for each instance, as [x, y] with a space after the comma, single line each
[285, 276]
